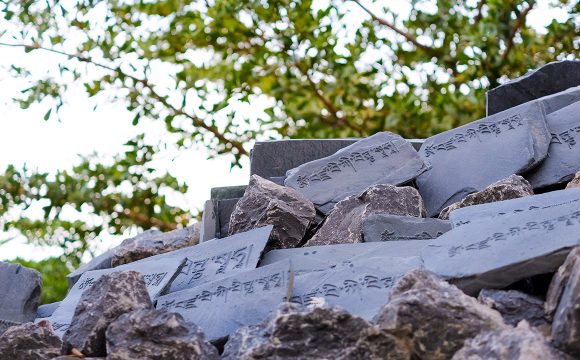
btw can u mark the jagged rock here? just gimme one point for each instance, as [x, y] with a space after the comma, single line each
[520, 343]
[20, 289]
[574, 183]
[514, 306]
[434, 316]
[29, 342]
[156, 334]
[512, 187]
[559, 282]
[110, 297]
[316, 333]
[154, 242]
[344, 224]
[266, 203]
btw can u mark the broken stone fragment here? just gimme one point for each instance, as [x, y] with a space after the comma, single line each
[154, 242]
[156, 334]
[436, 318]
[110, 296]
[574, 183]
[29, 342]
[514, 306]
[344, 224]
[266, 203]
[559, 282]
[512, 187]
[20, 289]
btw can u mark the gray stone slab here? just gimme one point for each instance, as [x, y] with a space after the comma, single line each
[5, 324]
[551, 199]
[563, 159]
[225, 208]
[46, 310]
[549, 79]
[208, 222]
[20, 289]
[223, 306]
[471, 157]
[382, 227]
[417, 143]
[227, 192]
[500, 251]
[102, 261]
[384, 158]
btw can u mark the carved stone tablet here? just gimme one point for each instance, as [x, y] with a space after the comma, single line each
[225, 208]
[384, 158]
[503, 250]
[102, 261]
[381, 227]
[469, 158]
[223, 306]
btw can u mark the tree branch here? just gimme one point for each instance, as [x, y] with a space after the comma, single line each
[519, 23]
[479, 11]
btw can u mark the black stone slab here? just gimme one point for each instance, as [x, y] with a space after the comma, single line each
[225, 208]
[382, 227]
[552, 199]
[46, 310]
[471, 157]
[20, 289]
[227, 192]
[208, 222]
[500, 251]
[549, 79]
[102, 261]
[384, 158]
[223, 306]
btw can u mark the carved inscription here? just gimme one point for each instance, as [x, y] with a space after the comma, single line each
[566, 137]
[387, 235]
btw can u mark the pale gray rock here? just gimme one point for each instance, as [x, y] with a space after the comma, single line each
[20, 289]
[208, 222]
[381, 227]
[575, 182]
[265, 203]
[29, 342]
[102, 261]
[156, 335]
[512, 187]
[344, 224]
[47, 310]
[515, 306]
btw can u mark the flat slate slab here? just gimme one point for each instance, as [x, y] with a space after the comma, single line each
[208, 222]
[225, 208]
[500, 251]
[102, 261]
[223, 306]
[46, 310]
[549, 79]
[384, 158]
[471, 157]
[20, 289]
[551, 199]
[227, 192]
[382, 227]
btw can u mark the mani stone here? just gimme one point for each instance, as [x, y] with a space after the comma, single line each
[549, 79]
[514, 306]
[154, 242]
[47, 310]
[471, 157]
[29, 342]
[150, 334]
[265, 203]
[384, 158]
[381, 227]
[344, 224]
[436, 318]
[315, 333]
[512, 187]
[575, 182]
[227, 192]
[110, 297]
[501, 251]
[20, 289]
[551, 199]
[222, 306]
[225, 208]
[102, 261]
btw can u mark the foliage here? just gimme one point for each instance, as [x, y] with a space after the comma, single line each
[54, 271]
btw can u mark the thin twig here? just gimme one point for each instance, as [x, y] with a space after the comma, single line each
[519, 23]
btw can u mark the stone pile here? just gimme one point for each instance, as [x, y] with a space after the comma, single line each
[377, 248]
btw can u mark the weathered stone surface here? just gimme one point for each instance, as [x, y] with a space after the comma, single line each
[102, 261]
[46, 310]
[221, 307]
[225, 208]
[265, 203]
[575, 182]
[471, 157]
[512, 187]
[156, 334]
[29, 342]
[484, 212]
[227, 192]
[316, 333]
[435, 317]
[110, 297]
[514, 306]
[381, 227]
[20, 289]
[154, 242]
[520, 343]
[344, 224]
[208, 222]
[501, 251]
[546, 80]
[5, 325]
[384, 158]
[560, 281]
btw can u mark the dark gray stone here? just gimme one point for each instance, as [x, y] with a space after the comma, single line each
[265, 203]
[344, 224]
[548, 200]
[435, 318]
[20, 289]
[5, 324]
[221, 307]
[384, 158]
[225, 208]
[501, 251]
[47, 310]
[317, 333]
[102, 261]
[208, 222]
[471, 157]
[29, 342]
[381, 227]
[546, 80]
[559, 282]
[154, 335]
[111, 296]
[515, 306]
[574, 183]
[227, 192]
